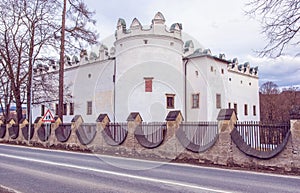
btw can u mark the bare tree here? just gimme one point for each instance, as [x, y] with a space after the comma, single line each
[5, 95]
[269, 88]
[280, 23]
[45, 86]
[13, 42]
[73, 36]
[38, 16]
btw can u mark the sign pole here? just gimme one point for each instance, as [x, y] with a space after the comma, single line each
[48, 119]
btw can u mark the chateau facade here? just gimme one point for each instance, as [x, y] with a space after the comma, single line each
[152, 70]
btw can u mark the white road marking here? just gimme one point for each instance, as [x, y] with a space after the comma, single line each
[186, 185]
[159, 162]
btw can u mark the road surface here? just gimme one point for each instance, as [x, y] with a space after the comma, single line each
[31, 170]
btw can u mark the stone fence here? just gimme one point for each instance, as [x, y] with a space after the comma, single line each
[218, 144]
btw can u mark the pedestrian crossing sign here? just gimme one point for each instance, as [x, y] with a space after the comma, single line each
[48, 117]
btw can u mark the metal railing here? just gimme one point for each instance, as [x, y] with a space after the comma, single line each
[118, 131]
[200, 133]
[154, 132]
[263, 136]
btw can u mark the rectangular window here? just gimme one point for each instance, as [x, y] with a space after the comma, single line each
[148, 84]
[170, 101]
[235, 108]
[211, 68]
[195, 100]
[254, 110]
[246, 109]
[89, 110]
[42, 110]
[229, 105]
[65, 109]
[218, 101]
[56, 109]
[71, 108]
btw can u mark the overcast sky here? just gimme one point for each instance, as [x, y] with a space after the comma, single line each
[221, 26]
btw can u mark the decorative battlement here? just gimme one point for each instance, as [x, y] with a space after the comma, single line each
[157, 27]
[233, 65]
[245, 68]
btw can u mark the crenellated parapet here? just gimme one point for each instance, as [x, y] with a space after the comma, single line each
[244, 68]
[157, 27]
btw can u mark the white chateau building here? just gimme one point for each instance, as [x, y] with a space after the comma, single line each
[152, 70]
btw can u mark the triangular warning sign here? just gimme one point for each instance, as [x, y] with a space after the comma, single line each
[48, 117]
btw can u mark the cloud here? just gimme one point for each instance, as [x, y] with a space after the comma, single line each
[218, 25]
[284, 70]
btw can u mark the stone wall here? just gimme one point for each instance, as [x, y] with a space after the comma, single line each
[224, 152]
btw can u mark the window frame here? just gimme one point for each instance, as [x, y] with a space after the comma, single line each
[172, 98]
[196, 101]
[235, 107]
[65, 108]
[218, 101]
[71, 109]
[89, 110]
[148, 84]
[42, 110]
[246, 109]
[254, 110]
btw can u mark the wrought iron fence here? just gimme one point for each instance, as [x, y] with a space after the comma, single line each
[86, 133]
[200, 133]
[2, 130]
[263, 136]
[117, 131]
[154, 132]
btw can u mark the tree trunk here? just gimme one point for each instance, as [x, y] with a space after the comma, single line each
[30, 66]
[61, 64]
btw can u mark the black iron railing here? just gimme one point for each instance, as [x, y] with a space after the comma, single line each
[117, 131]
[154, 132]
[200, 133]
[263, 136]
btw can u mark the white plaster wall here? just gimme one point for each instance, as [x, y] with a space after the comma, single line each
[196, 84]
[209, 83]
[244, 89]
[97, 88]
[160, 58]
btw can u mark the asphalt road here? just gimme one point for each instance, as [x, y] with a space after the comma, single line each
[38, 170]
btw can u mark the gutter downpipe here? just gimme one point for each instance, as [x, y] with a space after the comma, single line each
[185, 88]
[114, 82]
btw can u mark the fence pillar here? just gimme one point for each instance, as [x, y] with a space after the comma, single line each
[295, 135]
[174, 119]
[73, 140]
[36, 124]
[99, 145]
[134, 120]
[221, 152]
[10, 124]
[295, 138]
[23, 123]
[3, 131]
[52, 138]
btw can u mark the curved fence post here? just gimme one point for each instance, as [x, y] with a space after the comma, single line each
[295, 138]
[98, 142]
[73, 140]
[36, 125]
[23, 126]
[12, 129]
[52, 139]
[134, 120]
[3, 131]
[226, 121]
